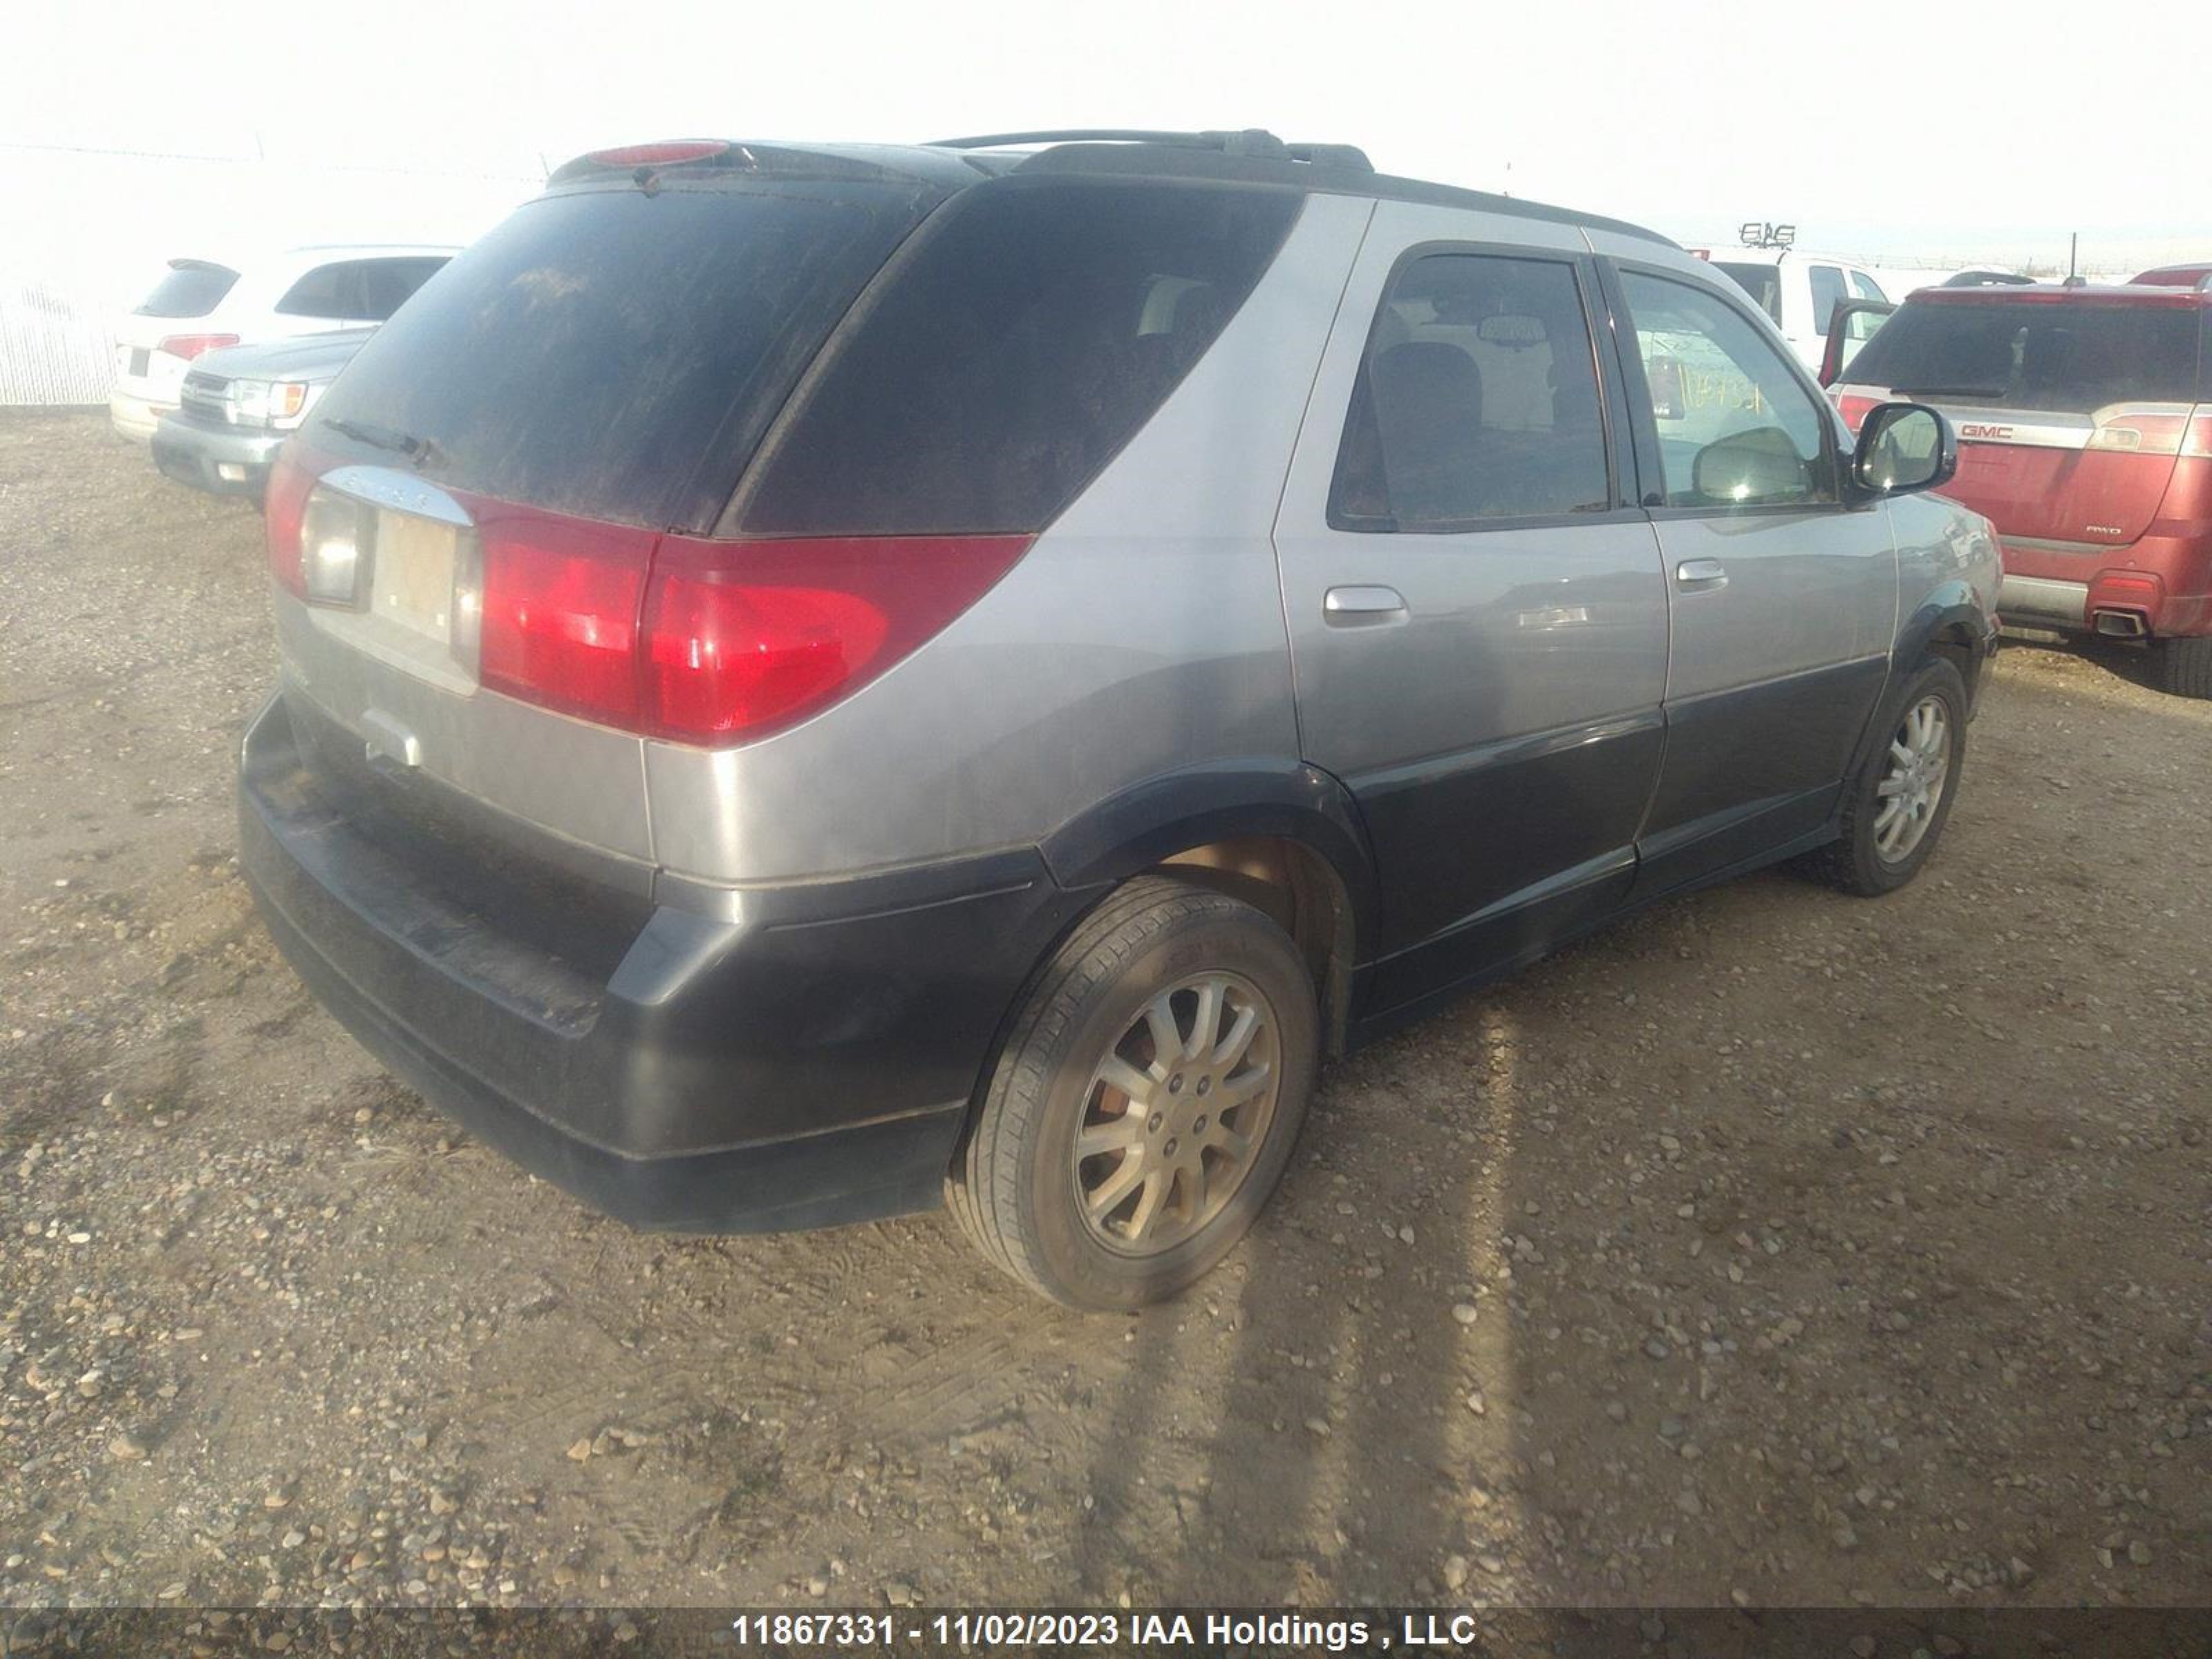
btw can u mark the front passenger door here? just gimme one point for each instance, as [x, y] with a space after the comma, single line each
[1784, 601]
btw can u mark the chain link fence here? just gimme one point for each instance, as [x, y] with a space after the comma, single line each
[53, 346]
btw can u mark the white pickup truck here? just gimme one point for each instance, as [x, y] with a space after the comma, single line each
[1799, 290]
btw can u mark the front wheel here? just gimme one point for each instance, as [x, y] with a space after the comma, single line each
[1895, 806]
[1146, 1101]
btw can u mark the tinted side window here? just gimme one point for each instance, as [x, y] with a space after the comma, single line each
[331, 291]
[1866, 287]
[1478, 399]
[1028, 334]
[385, 283]
[1736, 427]
[1828, 295]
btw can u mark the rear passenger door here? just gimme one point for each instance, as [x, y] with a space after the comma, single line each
[1783, 601]
[1477, 615]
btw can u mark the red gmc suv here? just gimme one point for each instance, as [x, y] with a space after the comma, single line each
[2084, 417]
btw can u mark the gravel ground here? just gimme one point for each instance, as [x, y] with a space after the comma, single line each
[1774, 1247]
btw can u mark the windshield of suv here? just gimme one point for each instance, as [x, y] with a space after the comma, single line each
[2075, 357]
[1762, 283]
[614, 353]
[193, 287]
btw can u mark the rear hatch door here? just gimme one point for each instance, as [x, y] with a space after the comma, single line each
[2070, 407]
[479, 494]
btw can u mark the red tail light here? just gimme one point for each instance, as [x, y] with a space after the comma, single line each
[189, 346]
[1855, 409]
[282, 507]
[561, 600]
[680, 637]
[745, 638]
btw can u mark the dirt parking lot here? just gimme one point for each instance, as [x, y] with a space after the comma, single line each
[1777, 1247]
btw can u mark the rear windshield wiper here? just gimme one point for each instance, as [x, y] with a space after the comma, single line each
[417, 450]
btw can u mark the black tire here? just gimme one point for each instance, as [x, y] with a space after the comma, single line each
[1856, 861]
[2184, 666]
[1015, 1187]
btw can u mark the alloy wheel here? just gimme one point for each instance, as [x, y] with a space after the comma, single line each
[1175, 1113]
[1912, 786]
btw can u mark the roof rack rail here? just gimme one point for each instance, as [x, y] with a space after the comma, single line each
[1249, 141]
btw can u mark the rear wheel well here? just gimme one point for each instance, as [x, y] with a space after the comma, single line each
[1302, 892]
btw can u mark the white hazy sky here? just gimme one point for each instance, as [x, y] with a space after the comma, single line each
[1943, 127]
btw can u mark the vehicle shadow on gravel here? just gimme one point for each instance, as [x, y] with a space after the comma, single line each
[1786, 1224]
[1302, 1434]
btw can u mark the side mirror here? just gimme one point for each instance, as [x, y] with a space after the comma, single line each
[1851, 326]
[1902, 447]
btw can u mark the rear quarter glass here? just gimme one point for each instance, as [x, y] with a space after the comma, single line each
[615, 355]
[2075, 358]
[1008, 354]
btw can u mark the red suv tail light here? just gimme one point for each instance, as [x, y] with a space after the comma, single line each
[1855, 409]
[745, 638]
[284, 505]
[189, 346]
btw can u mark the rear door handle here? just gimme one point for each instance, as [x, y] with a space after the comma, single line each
[1701, 573]
[1358, 606]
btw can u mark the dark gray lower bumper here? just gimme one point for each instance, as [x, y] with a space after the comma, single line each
[222, 460]
[808, 1064]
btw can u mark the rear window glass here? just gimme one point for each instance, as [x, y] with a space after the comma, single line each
[615, 355]
[2072, 357]
[1762, 283]
[1013, 351]
[193, 287]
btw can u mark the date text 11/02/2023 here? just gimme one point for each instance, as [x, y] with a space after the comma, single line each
[1061, 1629]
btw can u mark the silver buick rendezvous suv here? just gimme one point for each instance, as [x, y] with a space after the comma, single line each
[817, 678]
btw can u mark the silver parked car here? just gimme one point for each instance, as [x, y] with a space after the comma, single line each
[818, 677]
[238, 405]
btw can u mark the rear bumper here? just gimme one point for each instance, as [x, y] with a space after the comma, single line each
[220, 460]
[810, 1063]
[2165, 581]
[135, 418]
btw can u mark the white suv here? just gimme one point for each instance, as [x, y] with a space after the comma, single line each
[201, 304]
